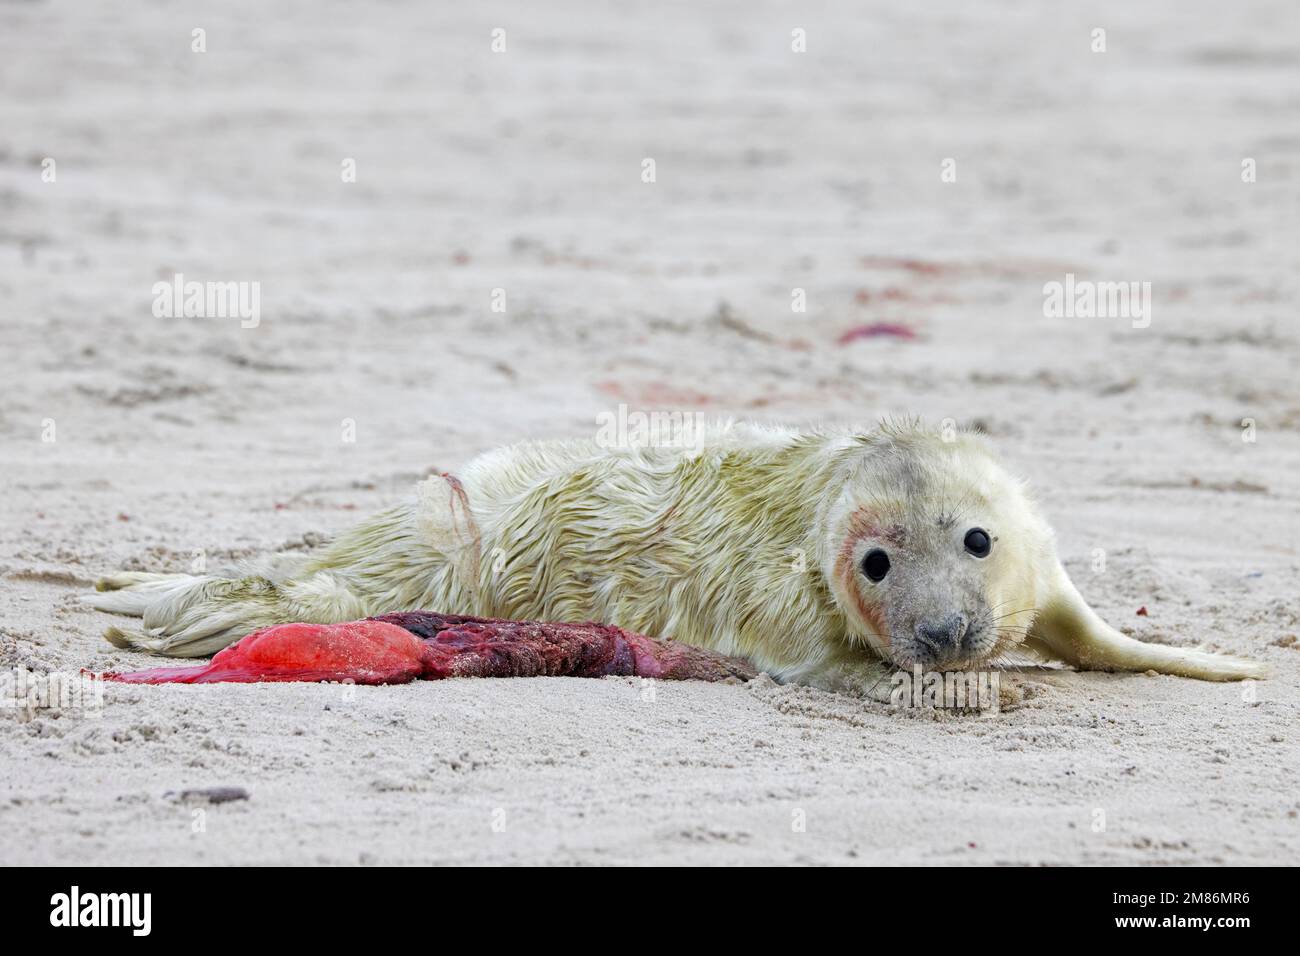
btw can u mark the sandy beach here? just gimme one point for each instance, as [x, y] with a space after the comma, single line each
[498, 269]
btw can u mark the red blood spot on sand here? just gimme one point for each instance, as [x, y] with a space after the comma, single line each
[1004, 268]
[655, 395]
[877, 330]
[891, 293]
[917, 266]
[123, 516]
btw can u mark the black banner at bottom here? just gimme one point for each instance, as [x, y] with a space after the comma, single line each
[337, 906]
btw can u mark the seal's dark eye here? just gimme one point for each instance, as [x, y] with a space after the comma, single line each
[978, 543]
[875, 565]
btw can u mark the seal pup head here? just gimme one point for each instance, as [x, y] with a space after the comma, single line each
[932, 550]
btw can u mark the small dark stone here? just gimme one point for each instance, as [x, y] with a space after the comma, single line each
[211, 794]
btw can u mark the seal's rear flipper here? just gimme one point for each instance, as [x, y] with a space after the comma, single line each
[398, 648]
[1066, 628]
[197, 615]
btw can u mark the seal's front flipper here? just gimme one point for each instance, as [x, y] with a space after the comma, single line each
[856, 676]
[1066, 628]
[397, 648]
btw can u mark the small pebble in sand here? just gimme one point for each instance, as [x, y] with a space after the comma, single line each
[210, 795]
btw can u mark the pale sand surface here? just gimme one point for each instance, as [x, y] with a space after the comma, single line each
[521, 171]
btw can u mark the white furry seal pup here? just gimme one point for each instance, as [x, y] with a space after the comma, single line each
[825, 557]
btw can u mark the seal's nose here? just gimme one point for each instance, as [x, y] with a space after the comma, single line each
[942, 635]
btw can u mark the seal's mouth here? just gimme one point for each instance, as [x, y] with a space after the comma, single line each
[931, 662]
[954, 643]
